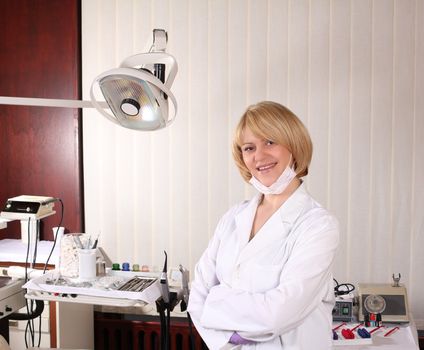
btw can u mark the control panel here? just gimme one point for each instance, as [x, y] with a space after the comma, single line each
[342, 311]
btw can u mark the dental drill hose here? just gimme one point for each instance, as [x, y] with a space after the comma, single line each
[164, 281]
[184, 288]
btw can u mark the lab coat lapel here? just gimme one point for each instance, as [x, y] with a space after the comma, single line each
[273, 232]
[244, 221]
[276, 229]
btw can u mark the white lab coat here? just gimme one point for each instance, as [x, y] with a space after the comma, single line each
[276, 289]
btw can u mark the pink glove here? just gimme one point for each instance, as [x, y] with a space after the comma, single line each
[238, 340]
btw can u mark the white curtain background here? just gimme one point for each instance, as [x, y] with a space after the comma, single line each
[353, 71]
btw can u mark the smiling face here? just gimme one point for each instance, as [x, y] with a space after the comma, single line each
[264, 159]
[264, 121]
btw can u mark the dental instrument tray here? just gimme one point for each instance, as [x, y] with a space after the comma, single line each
[114, 288]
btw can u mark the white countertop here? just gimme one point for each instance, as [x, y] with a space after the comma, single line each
[14, 250]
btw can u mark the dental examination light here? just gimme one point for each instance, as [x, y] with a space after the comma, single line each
[136, 95]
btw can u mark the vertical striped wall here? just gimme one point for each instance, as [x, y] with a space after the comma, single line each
[353, 71]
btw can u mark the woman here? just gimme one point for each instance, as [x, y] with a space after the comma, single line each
[264, 281]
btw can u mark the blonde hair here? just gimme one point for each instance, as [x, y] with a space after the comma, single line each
[272, 121]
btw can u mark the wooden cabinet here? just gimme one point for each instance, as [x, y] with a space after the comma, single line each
[41, 147]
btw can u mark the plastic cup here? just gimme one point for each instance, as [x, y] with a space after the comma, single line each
[87, 264]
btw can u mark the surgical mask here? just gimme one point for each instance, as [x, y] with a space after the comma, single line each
[278, 186]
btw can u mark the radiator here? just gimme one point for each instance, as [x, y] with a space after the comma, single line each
[119, 334]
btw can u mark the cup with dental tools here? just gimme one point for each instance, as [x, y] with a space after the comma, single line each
[87, 264]
[87, 255]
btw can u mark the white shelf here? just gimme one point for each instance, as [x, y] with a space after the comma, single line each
[39, 289]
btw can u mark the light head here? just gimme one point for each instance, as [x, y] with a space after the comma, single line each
[138, 92]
